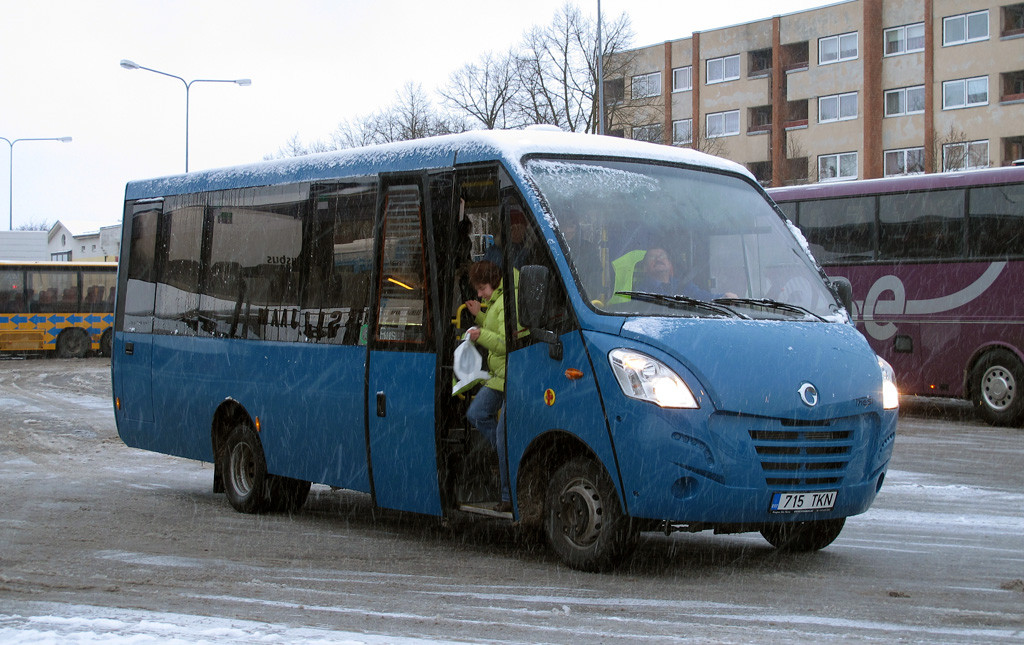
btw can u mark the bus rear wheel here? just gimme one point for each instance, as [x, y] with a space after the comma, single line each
[73, 343]
[583, 520]
[995, 383]
[801, 537]
[106, 342]
[244, 471]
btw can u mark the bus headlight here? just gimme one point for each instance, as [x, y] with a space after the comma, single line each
[890, 394]
[647, 379]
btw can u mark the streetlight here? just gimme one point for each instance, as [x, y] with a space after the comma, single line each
[10, 167]
[244, 82]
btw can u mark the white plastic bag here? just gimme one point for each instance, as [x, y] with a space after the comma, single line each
[468, 366]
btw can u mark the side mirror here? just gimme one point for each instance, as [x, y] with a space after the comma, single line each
[844, 290]
[531, 304]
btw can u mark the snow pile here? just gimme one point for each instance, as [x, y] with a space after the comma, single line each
[53, 624]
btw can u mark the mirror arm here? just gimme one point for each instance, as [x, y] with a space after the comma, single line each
[552, 339]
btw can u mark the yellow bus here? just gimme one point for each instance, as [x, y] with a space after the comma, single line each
[62, 307]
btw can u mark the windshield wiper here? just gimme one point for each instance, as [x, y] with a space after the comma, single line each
[768, 303]
[682, 300]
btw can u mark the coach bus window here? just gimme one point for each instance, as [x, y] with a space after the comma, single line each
[177, 292]
[840, 230]
[98, 289]
[11, 291]
[339, 253]
[252, 280]
[996, 221]
[141, 281]
[921, 225]
[54, 292]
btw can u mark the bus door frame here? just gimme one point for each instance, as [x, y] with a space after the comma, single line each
[401, 388]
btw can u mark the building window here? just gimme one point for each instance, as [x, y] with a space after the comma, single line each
[1013, 86]
[682, 79]
[965, 28]
[646, 85]
[723, 124]
[615, 90]
[838, 107]
[835, 49]
[650, 133]
[908, 161]
[965, 155]
[905, 100]
[759, 62]
[61, 257]
[682, 132]
[723, 69]
[837, 167]
[1013, 20]
[964, 93]
[904, 40]
[760, 119]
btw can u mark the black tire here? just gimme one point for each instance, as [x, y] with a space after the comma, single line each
[583, 519]
[801, 537]
[73, 343]
[995, 382]
[106, 343]
[244, 472]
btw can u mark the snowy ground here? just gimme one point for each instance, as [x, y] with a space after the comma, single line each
[100, 543]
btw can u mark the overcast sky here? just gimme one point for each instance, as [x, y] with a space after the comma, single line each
[312, 63]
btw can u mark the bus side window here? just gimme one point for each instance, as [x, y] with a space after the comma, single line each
[177, 291]
[339, 251]
[141, 279]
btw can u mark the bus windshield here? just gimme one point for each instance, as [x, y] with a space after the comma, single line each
[661, 240]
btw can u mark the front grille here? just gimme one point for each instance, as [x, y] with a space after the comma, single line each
[803, 453]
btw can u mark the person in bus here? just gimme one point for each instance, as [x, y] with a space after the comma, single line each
[486, 411]
[658, 276]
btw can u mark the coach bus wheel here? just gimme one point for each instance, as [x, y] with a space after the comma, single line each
[995, 380]
[583, 520]
[800, 537]
[244, 471]
[105, 344]
[72, 343]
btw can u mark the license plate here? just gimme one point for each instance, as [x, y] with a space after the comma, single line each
[797, 502]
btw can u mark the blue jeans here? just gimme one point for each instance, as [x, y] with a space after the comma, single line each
[486, 414]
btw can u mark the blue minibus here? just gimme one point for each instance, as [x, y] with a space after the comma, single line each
[676, 359]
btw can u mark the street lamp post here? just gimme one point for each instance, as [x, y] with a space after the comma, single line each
[10, 167]
[244, 82]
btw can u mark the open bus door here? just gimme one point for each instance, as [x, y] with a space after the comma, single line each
[403, 361]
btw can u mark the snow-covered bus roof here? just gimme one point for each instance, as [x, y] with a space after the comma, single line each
[509, 146]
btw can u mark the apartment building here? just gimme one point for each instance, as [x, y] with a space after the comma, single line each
[851, 90]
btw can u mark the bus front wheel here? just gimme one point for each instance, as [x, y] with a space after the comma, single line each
[73, 343]
[995, 383]
[801, 537]
[583, 520]
[244, 472]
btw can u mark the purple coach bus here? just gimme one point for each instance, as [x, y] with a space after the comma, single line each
[937, 267]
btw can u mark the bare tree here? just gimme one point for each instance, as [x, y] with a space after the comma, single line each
[558, 70]
[952, 151]
[34, 225]
[484, 89]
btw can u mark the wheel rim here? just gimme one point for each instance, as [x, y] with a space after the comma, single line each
[579, 512]
[998, 387]
[243, 469]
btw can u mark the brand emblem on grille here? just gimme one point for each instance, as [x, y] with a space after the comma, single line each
[808, 394]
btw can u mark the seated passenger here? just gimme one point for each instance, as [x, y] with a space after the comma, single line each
[659, 277]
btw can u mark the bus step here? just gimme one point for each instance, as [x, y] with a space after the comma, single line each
[484, 508]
